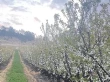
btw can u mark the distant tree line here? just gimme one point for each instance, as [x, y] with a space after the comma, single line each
[10, 33]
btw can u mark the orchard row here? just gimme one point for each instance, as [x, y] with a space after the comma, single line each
[76, 48]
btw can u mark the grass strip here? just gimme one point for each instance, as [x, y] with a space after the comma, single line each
[16, 73]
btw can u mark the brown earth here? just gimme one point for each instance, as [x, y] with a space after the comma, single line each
[4, 71]
[28, 72]
[35, 73]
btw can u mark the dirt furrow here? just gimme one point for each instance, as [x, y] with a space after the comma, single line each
[28, 72]
[3, 72]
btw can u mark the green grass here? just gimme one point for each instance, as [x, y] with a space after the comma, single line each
[16, 73]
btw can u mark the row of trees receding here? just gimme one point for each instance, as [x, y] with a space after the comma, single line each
[6, 53]
[77, 50]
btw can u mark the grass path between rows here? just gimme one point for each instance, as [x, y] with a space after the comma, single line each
[16, 73]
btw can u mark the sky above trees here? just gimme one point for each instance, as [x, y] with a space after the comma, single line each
[29, 14]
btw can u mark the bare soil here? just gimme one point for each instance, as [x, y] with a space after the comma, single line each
[28, 72]
[4, 69]
[35, 73]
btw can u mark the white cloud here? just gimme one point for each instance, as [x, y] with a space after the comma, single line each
[28, 14]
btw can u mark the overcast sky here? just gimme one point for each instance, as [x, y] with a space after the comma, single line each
[28, 14]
